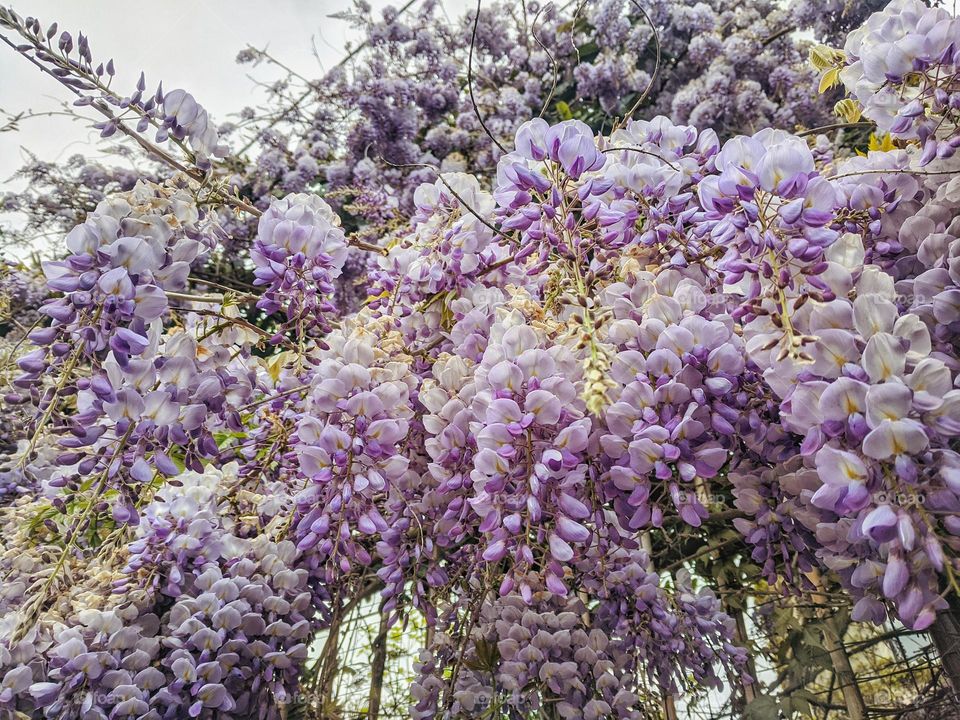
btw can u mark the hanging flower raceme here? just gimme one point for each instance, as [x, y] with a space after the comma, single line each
[653, 165]
[879, 196]
[299, 251]
[450, 251]
[177, 534]
[131, 249]
[539, 181]
[878, 413]
[529, 475]
[525, 654]
[661, 630]
[768, 208]
[201, 623]
[348, 446]
[606, 659]
[124, 258]
[779, 525]
[184, 118]
[449, 244]
[900, 68]
[682, 397]
[137, 400]
[431, 522]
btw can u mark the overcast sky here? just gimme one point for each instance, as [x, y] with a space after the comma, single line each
[185, 43]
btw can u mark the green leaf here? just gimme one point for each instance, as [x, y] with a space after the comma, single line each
[762, 707]
[848, 109]
[808, 649]
[588, 50]
[800, 701]
[46, 512]
[829, 79]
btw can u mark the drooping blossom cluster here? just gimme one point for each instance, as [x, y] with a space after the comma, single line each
[124, 257]
[175, 114]
[147, 394]
[876, 411]
[528, 472]
[901, 67]
[681, 398]
[299, 253]
[551, 650]
[347, 446]
[450, 248]
[778, 524]
[222, 636]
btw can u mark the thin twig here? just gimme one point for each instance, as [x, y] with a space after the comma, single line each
[187, 297]
[473, 100]
[455, 194]
[235, 321]
[271, 398]
[892, 171]
[777, 35]
[555, 71]
[835, 126]
[643, 152]
[656, 68]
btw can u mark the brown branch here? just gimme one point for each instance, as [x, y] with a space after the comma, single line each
[656, 68]
[458, 662]
[233, 320]
[833, 643]
[777, 35]
[377, 667]
[835, 126]
[473, 100]
[702, 552]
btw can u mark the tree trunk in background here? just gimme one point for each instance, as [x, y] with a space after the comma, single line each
[846, 679]
[669, 707]
[377, 668]
[328, 659]
[833, 644]
[749, 689]
[945, 632]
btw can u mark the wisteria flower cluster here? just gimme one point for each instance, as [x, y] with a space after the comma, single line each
[363, 130]
[526, 653]
[175, 115]
[577, 378]
[222, 635]
[299, 252]
[901, 67]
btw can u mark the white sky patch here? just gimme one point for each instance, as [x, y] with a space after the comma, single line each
[184, 43]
